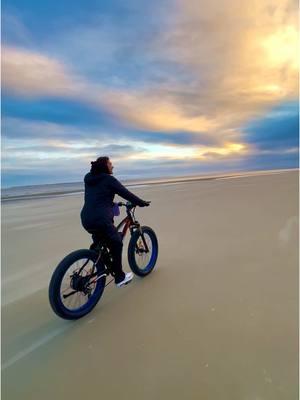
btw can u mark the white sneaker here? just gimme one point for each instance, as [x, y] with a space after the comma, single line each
[127, 279]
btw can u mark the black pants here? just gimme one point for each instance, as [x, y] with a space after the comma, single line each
[109, 235]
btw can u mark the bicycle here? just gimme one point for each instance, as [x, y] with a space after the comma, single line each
[75, 289]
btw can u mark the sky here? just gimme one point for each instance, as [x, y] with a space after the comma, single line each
[164, 88]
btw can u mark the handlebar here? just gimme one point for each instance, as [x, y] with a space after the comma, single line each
[128, 204]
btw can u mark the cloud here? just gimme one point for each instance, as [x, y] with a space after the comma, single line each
[192, 79]
[35, 75]
[278, 130]
[32, 74]
[92, 128]
[30, 129]
[219, 69]
[67, 141]
[65, 150]
[57, 149]
[241, 59]
[36, 151]
[53, 110]
[273, 160]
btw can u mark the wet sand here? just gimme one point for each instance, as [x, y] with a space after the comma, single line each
[217, 319]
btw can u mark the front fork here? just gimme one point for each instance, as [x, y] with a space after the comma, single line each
[139, 229]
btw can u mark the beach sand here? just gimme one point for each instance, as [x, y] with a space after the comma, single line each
[217, 319]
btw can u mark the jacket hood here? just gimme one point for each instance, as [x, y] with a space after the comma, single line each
[91, 179]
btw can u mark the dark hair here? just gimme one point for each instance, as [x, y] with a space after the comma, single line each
[100, 165]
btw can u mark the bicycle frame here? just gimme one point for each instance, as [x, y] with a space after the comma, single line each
[127, 222]
[132, 224]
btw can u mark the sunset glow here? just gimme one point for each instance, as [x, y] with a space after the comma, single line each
[281, 48]
[199, 87]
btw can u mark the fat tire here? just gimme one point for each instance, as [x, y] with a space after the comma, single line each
[131, 251]
[55, 284]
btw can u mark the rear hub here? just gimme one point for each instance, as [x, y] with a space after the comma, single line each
[79, 283]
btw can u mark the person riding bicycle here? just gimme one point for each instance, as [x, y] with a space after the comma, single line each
[97, 216]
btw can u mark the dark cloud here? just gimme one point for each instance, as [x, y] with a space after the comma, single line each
[279, 130]
[48, 120]
[110, 150]
[58, 111]
[176, 138]
[271, 161]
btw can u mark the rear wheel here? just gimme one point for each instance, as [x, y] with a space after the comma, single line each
[141, 260]
[77, 285]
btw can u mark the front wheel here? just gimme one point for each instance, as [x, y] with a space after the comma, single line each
[77, 284]
[141, 258]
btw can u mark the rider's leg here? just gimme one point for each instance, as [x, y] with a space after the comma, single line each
[109, 235]
[115, 245]
[97, 238]
[115, 248]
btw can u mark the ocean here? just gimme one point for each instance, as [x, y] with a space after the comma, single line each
[71, 188]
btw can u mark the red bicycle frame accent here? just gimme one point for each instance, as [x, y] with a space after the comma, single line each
[127, 222]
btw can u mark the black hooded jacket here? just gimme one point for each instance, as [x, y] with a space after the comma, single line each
[100, 190]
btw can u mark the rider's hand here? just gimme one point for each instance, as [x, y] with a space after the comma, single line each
[145, 204]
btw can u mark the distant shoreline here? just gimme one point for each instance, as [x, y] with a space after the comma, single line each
[130, 184]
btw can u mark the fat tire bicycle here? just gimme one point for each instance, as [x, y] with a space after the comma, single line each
[79, 280]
